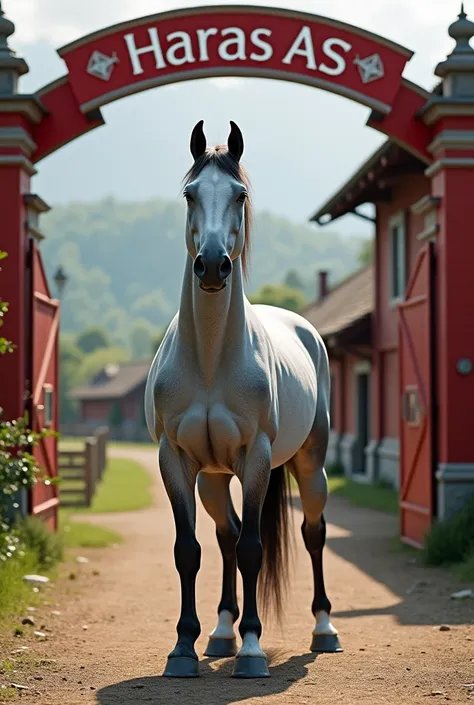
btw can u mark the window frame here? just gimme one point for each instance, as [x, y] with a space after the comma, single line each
[397, 221]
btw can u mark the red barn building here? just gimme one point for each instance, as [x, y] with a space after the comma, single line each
[113, 398]
[385, 339]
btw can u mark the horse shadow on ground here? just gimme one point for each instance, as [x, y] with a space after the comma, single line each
[369, 539]
[205, 689]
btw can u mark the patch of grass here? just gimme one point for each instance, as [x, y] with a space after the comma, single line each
[452, 540]
[125, 487]
[6, 667]
[379, 497]
[450, 543]
[83, 535]
[76, 443]
[15, 594]
[41, 551]
[465, 569]
[8, 693]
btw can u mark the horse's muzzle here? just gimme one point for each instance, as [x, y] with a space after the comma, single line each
[212, 272]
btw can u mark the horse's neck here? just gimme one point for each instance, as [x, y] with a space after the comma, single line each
[212, 325]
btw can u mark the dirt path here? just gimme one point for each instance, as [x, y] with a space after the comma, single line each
[394, 650]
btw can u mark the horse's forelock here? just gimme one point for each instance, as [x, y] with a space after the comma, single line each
[222, 158]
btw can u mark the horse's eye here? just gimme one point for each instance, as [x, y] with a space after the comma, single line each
[242, 198]
[188, 197]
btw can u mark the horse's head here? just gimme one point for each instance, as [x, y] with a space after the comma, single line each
[217, 194]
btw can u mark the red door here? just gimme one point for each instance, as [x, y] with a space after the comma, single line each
[43, 328]
[416, 340]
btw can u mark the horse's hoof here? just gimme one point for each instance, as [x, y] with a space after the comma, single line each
[251, 667]
[221, 648]
[326, 644]
[181, 667]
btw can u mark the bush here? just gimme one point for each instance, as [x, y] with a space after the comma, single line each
[452, 540]
[335, 470]
[46, 546]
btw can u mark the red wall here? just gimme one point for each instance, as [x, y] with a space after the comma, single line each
[99, 410]
[344, 382]
[408, 191]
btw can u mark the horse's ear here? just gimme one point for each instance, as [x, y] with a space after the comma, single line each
[198, 141]
[235, 143]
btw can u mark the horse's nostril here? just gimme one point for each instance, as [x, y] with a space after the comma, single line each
[199, 266]
[226, 267]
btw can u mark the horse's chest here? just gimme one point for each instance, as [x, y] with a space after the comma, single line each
[212, 434]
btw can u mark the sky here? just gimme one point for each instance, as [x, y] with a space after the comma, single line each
[301, 143]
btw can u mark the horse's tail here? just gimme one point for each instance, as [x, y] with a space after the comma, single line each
[275, 528]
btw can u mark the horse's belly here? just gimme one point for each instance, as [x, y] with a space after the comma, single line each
[296, 419]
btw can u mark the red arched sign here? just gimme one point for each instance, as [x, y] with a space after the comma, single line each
[232, 41]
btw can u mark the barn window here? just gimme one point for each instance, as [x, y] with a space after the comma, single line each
[397, 251]
[48, 404]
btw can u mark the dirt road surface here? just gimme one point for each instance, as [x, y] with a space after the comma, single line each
[128, 600]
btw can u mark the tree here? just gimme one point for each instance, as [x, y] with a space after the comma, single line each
[70, 361]
[92, 339]
[279, 295]
[96, 361]
[141, 339]
[367, 252]
[294, 280]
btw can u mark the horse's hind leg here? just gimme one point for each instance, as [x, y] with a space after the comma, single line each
[215, 496]
[308, 468]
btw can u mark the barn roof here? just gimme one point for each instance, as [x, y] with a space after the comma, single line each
[371, 183]
[346, 304]
[114, 382]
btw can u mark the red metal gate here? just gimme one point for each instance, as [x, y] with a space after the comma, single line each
[43, 350]
[416, 340]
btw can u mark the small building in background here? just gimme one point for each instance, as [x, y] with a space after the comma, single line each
[114, 397]
[343, 317]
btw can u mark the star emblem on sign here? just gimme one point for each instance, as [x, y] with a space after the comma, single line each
[371, 68]
[101, 66]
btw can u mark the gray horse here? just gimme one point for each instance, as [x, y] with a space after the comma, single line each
[237, 389]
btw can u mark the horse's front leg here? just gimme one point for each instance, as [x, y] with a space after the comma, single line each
[179, 478]
[251, 661]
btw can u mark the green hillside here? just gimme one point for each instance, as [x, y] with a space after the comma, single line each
[125, 261]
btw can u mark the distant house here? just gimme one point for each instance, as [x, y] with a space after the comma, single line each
[113, 397]
[343, 317]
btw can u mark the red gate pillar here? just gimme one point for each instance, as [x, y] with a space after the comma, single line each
[451, 113]
[17, 115]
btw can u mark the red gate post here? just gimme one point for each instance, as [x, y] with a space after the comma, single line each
[19, 211]
[451, 114]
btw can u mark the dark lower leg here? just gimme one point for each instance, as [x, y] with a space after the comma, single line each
[187, 554]
[249, 559]
[314, 536]
[227, 539]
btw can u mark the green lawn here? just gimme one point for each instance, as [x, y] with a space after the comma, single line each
[74, 443]
[125, 487]
[382, 498]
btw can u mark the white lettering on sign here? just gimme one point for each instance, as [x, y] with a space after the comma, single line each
[135, 53]
[232, 44]
[203, 35]
[303, 46]
[339, 60]
[261, 44]
[183, 44]
[238, 40]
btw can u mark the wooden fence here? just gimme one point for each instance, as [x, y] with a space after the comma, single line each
[81, 470]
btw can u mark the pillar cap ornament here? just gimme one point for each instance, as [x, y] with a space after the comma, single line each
[11, 65]
[461, 59]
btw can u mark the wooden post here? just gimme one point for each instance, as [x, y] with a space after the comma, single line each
[88, 471]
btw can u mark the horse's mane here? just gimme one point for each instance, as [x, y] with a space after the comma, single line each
[223, 159]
